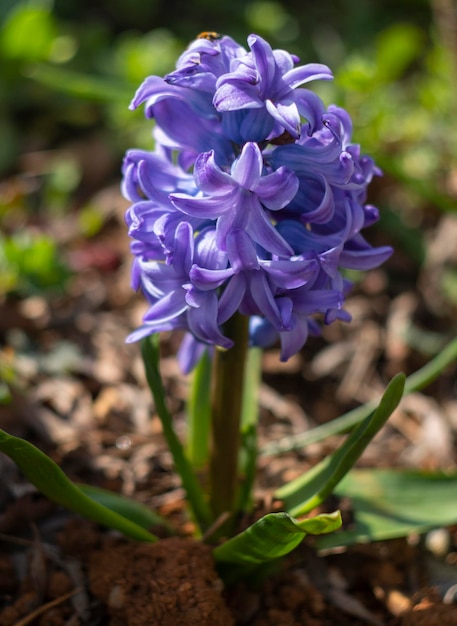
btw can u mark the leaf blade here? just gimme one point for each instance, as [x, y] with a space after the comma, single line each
[388, 504]
[52, 482]
[272, 536]
[309, 490]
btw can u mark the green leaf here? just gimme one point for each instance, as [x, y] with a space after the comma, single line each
[131, 509]
[51, 481]
[249, 419]
[199, 413]
[389, 504]
[273, 536]
[310, 490]
[82, 86]
[151, 356]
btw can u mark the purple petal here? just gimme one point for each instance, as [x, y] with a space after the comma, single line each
[256, 125]
[190, 352]
[371, 215]
[183, 249]
[264, 61]
[155, 90]
[241, 251]
[261, 293]
[203, 322]
[330, 260]
[305, 73]
[206, 279]
[286, 113]
[364, 259]
[231, 297]
[310, 106]
[209, 207]
[235, 94]
[264, 233]
[284, 61]
[148, 329]
[261, 333]
[247, 169]
[293, 340]
[290, 274]
[276, 190]
[285, 306]
[318, 192]
[167, 308]
[209, 178]
[316, 301]
[207, 252]
[129, 185]
[153, 85]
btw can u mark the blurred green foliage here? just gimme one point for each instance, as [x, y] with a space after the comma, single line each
[30, 263]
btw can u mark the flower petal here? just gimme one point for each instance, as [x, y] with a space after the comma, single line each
[305, 73]
[256, 125]
[247, 169]
[235, 94]
[183, 251]
[203, 322]
[264, 62]
[167, 308]
[364, 259]
[206, 279]
[209, 178]
[264, 233]
[208, 207]
[190, 352]
[231, 297]
[293, 340]
[241, 251]
[286, 113]
[276, 190]
[292, 273]
[310, 106]
[149, 329]
[260, 291]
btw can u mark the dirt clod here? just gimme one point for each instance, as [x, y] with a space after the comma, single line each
[168, 583]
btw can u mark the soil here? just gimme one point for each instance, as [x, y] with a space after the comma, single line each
[79, 393]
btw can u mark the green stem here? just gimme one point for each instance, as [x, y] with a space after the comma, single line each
[227, 397]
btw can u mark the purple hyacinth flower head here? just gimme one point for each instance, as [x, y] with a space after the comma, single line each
[252, 201]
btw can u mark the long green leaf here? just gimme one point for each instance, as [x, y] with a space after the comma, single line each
[273, 536]
[51, 481]
[151, 356]
[393, 503]
[420, 379]
[82, 86]
[199, 413]
[311, 489]
[131, 509]
[249, 419]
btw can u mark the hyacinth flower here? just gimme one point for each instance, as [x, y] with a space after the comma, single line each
[244, 217]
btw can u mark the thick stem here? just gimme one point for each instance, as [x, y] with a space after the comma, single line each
[227, 396]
